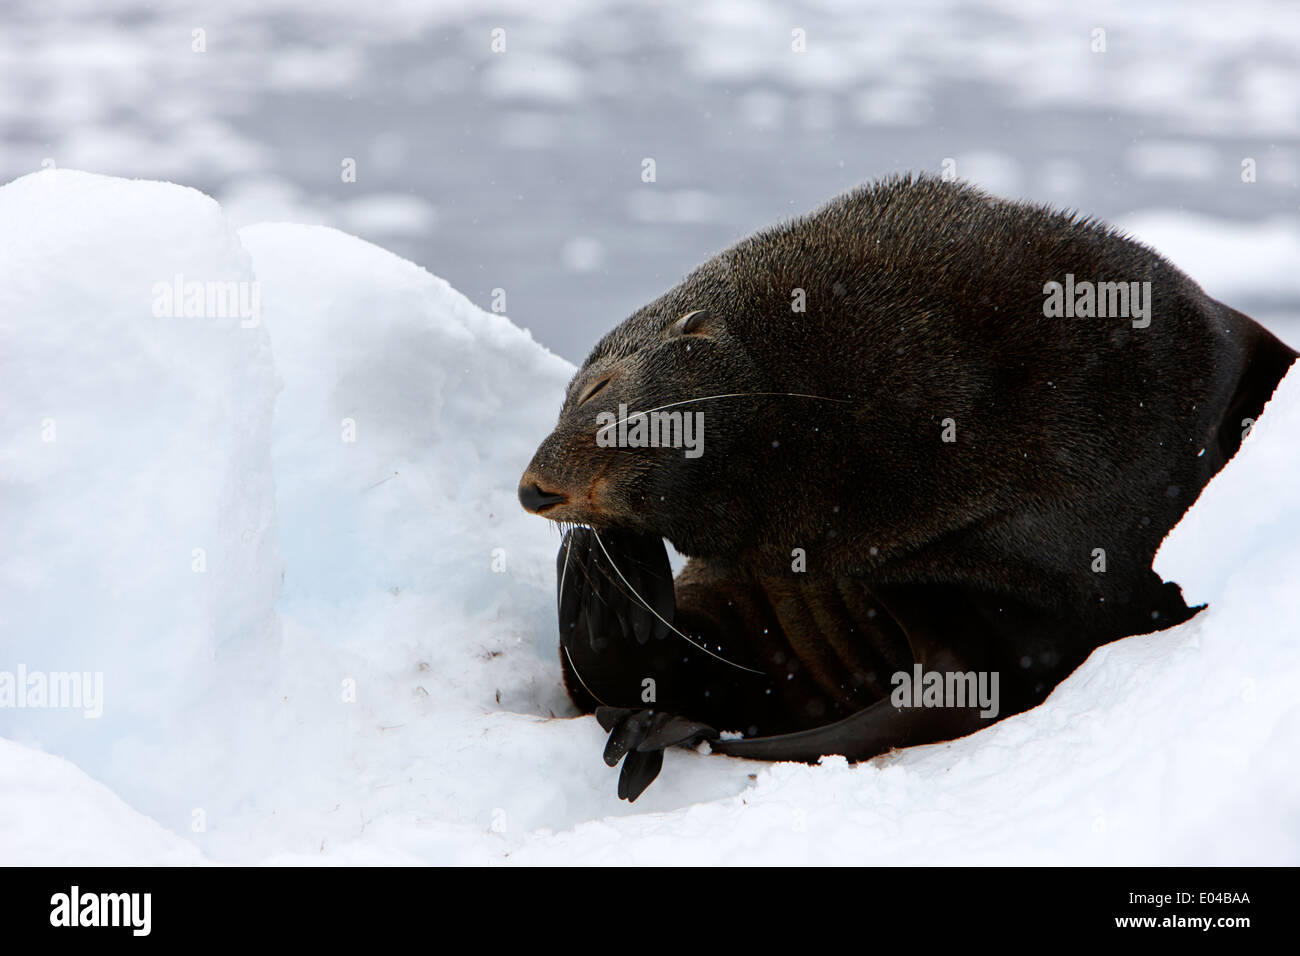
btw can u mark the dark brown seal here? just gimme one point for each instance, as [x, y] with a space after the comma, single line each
[935, 435]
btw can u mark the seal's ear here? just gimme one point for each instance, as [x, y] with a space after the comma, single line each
[691, 323]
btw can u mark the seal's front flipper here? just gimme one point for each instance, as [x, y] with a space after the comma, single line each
[616, 607]
[639, 738]
[868, 733]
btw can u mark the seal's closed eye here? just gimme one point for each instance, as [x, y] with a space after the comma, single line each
[691, 322]
[594, 390]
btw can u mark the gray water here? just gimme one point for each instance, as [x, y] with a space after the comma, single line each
[538, 191]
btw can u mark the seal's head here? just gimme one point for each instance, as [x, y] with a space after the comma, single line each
[642, 443]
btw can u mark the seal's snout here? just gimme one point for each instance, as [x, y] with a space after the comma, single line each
[534, 499]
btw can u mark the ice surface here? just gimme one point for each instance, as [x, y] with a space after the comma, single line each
[365, 671]
[138, 515]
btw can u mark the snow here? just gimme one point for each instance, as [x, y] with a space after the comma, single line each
[365, 670]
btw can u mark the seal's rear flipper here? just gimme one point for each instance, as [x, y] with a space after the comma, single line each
[1268, 360]
[866, 734]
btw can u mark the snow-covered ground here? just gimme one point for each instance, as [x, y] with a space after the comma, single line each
[288, 541]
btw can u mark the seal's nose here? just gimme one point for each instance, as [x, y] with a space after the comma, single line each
[534, 499]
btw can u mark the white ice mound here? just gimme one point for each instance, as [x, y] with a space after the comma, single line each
[406, 419]
[52, 814]
[138, 519]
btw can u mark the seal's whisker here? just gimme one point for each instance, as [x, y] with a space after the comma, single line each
[572, 666]
[698, 647]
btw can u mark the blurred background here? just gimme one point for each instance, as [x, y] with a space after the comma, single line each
[500, 144]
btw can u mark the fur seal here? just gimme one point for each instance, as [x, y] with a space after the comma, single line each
[939, 448]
